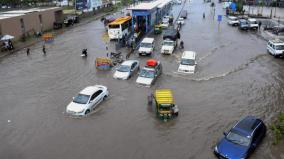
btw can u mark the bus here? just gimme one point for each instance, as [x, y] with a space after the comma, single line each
[119, 28]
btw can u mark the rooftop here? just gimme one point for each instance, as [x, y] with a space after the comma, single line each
[15, 13]
[149, 5]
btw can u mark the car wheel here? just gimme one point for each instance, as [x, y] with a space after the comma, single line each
[87, 112]
[105, 97]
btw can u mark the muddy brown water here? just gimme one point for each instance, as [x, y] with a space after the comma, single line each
[235, 77]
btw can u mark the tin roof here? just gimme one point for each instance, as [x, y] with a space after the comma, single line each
[164, 96]
[147, 5]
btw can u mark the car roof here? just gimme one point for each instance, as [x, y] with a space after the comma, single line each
[242, 20]
[252, 19]
[247, 125]
[276, 41]
[90, 90]
[188, 55]
[148, 40]
[129, 62]
[232, 17]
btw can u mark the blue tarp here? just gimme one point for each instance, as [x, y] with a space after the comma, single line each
[233, 6]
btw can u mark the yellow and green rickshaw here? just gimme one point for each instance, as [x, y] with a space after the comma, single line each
[158, 29]
[163, 101]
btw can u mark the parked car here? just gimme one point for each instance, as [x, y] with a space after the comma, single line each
[70, 20]
[183, 14]
[252, 23]
[126, 69]
[242, 139]
[149, 74]
[275, 47]
[188, 62]
[180, 21]
[277, 29]
[146, 46]
[234, 21]
[243, 24]
[87, 100]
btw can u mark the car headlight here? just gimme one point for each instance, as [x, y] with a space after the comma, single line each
[81, 111]
[216, 149]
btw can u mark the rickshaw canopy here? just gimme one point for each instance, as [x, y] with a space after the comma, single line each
[164, 97]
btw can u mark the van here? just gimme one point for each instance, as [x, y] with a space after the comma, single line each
[187, 63]
[146, 46]
[183, 14]
[275, 47]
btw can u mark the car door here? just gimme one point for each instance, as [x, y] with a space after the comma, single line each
[98, 98]
[133, 67]
[92, 101]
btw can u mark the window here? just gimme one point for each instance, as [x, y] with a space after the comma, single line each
[133, 65]
[95, 95]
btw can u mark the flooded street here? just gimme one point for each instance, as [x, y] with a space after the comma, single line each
[235, 77]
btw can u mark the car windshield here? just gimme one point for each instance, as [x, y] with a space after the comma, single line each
[168, 43]
[123, 68]
[146, 45]
[187, 62]
[238, 139]
[147, 73]
[279, 47]
[81, 99]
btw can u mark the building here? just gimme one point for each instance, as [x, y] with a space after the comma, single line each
[22, 23]
[88, 5]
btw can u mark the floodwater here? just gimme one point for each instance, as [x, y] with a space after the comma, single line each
[235, 77]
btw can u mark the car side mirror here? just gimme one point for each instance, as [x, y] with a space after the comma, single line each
[73, 98]
[225, 134]
[91, 101]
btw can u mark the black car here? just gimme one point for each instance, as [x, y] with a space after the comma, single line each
[70, 20]
[242, 139]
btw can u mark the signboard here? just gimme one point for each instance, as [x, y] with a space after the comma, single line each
[81, 4]
[219, 18]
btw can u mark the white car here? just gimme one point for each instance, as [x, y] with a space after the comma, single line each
[275, 47]
[234, 21]
[164, 24]
[126, 69]
[149, 74]
[187, 63]
[146, 46]
[180, 21]
[252, 23]
[168, 46]
[87, 100]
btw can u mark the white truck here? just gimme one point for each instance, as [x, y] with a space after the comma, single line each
[169, 41]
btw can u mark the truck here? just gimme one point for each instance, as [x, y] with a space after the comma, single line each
[169, 41]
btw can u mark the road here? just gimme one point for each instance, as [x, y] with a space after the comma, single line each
[235, 78]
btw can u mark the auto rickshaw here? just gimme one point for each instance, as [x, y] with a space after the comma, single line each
[163, 101]
[158, 29]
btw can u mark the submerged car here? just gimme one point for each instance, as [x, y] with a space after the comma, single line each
[242, 139]
[146, 46]
[187, 64]
[87, 100]
[149, 74]
[126, 69]
[275, 47]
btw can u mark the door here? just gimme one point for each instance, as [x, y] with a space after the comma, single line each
[97, 98]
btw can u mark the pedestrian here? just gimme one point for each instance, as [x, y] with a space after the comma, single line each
[259, 25]
[178, 35]
[28, 51]
[43, 49]
[203, 15]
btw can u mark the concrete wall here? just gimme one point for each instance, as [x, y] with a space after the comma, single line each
[12, 26]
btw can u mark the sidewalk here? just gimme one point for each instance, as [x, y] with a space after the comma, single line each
[19, 45]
